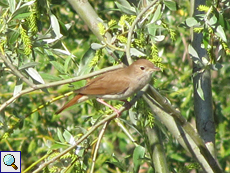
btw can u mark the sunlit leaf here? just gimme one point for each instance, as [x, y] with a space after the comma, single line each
[35, 75]
[191, 21]
[157, 14]
[55, 26]
[27, 65]
[171, 5]
[199, 89]
[125, 9]
[135, 52]
[96, 46]
[138, 155]
[60, 136]
[18, 87]
[221, 33]
[58, 66]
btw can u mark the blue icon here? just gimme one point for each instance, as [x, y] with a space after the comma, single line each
[9, 160]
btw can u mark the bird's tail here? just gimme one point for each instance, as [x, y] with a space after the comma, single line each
[70, 103]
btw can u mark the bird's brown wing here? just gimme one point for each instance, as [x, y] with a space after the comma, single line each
[105, 84]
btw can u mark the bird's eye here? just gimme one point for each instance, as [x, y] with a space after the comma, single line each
[142, 67]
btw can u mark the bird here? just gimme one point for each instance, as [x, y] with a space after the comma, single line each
[118, 84]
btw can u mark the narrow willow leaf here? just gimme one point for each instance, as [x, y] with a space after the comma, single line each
[138, 155]
[35, 75]
[61, 52]
[200, 90]
[27, 65]
[159, 38]
[67, 64]
[23, 15]
[135, 52]
[55, 26]
[21, 9]
[212, 20]
[96, 46]
[127, 10]
[171, 5]
[12, 5]
[157, 14]
[68, 137]
[18, 87]
[191, 21]
[60, 137]
[49, 77]
[13, 36]
[221, 33]
[58, 66]
[192, 51]
[4, 5]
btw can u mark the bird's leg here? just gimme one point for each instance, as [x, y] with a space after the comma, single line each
[110, 106]
[127, 104]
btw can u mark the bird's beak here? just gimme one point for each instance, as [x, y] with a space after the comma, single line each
[156, 68]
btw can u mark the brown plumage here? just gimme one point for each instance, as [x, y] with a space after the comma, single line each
[116, 85]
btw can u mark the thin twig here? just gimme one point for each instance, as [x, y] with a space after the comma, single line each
[92, 129]
[131, 29]
[52, 84]
[97, 145]
[16, 72]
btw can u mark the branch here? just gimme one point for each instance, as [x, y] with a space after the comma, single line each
[182, 130]
[16, 71]
[92, 129]
[131, 29]
[52, 84]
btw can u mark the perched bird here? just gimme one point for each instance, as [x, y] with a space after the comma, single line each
[115, 85]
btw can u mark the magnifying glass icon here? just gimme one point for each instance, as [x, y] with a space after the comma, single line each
[9, 160]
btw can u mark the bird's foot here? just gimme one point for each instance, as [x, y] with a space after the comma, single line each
[110, 106]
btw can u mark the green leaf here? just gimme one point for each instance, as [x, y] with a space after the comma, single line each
[212, 20]
[194, 55]
[68, 137]
[47, 76]
[60, 137]
[4, 5]
[60, 51]
[35, 75]
[200, 90]
[13, 36]
[58, 66]
[12, 5]
[63, 28]
[138, 155]
[191, 21]
[67, 64]
[55, 25]
[57, 146]
[171, 5]
[21, 9]
[28, 65]
[177, 157]
[32, 146]
[221, 33]
[96, 46]
[135, 52]
[217, 66]
[84, 67]
[159, 38]
[157, 14]
[18, 87]
[22, 15]
[128, 10]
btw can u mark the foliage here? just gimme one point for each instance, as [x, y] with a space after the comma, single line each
[40, 44]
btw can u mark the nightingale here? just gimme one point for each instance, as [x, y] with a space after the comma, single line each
[115, 85]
